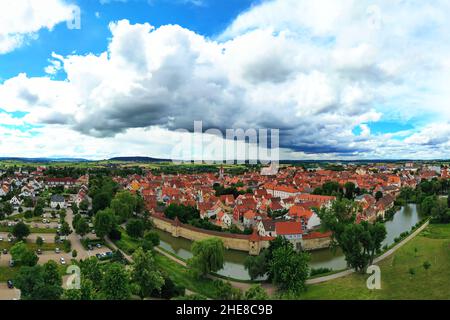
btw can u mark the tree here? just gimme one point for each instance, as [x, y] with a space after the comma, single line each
[7, 208]
[123, 205]
[22, 255]
[350, 190]
[81, 227]
[39, 282]
[359, 242]
[84, 205]
[256, 292]
[145, 273]
[115, 282]
[151, 239]
[225, 291]
[426, 265]
[104, 222]
[75, 208]
[257, 266]
[101, 201]
[135, 228]
[90, 269]
[207, 256]
[290, 269]
[65, 229]
[86, 293]
[21, 230]
[378, 195]
[39, 241]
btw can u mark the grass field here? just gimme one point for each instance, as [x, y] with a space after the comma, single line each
[397, 280]
[181, 276]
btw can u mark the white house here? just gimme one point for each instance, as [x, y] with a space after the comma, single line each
[15, 202]
[57, 200]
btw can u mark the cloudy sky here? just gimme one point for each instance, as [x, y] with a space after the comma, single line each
[340, 79]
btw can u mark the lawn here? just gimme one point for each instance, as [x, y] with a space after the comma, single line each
[7, 273]
[31, 245]
[32, 230]
[397, 282]
[182, 277]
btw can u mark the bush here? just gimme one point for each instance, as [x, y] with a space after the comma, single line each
[74, 253]
[317, 271]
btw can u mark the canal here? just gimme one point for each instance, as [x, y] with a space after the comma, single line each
[402, 221]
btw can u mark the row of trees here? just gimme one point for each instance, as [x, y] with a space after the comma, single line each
[332, 188]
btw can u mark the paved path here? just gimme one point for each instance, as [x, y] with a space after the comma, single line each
[8, 294]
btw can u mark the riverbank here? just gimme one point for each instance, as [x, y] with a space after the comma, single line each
[403, 275]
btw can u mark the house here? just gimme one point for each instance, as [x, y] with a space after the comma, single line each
[250, 218]
[224, 219]
[291, 231]
[282, 192]
[15, 202]
[57, 200]
[266, 228]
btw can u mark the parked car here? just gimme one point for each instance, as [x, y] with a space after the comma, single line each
[11, 263]
[89, 247]
[63, 261]
[57, 250]
[98, 245]
[10, 284]
[1, 238]
[39, 251]
[5, 251]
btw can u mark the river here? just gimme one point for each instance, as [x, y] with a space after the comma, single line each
[402, 221]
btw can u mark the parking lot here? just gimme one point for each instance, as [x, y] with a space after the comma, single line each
[8, 294]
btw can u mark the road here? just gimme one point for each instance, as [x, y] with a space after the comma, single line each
[48, 237]
[8, 294]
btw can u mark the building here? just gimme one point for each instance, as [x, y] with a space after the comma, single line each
[57, 200]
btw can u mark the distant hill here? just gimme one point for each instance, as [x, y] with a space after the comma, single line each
[43, 159]
[138, 159]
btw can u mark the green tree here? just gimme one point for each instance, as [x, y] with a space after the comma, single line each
[208, 256]
[84, 205]
[256, 292]
[22, 255]
[65, 229]
[21, 230]
[104, 222]
[115, 282]
[350, 190]
[39, 241]
[135, 228]
[81, 227]
[257, 266]
[123, 205]
[145, 273]
[101, 201]
[359, 242]
[225, 291]
[90, 270]
[290, 269]
[7, 208]
[39, 282]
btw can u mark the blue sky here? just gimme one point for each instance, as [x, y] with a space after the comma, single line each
[339, 79]
[207, 17]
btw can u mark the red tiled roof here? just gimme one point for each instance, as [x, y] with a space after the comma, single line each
[288, 227]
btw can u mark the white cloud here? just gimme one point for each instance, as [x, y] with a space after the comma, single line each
[20, 20]
[314, 69]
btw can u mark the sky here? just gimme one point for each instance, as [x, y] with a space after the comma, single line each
[339, 79]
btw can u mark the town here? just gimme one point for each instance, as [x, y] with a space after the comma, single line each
[247, 209]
